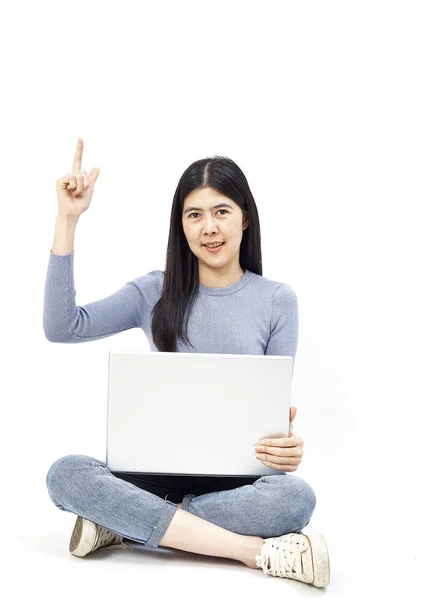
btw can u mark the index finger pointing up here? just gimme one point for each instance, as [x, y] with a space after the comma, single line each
[77, 162]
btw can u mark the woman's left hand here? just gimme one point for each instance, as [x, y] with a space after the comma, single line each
[284, 453]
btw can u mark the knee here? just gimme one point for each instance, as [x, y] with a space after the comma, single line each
[303, 501]
[61, 473]
[297, 498]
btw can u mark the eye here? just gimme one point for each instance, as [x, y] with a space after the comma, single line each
[220, 209]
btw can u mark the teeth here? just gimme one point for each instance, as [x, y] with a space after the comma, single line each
[213, 245]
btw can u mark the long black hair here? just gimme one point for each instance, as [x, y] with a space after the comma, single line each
[181, 280]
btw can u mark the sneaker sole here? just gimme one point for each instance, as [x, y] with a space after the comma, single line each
[83, 537]
[321, 562]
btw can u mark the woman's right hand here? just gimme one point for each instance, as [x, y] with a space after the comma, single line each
[74, 190]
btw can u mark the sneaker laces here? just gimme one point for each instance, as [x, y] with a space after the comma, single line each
[107, 539]
[282, 556]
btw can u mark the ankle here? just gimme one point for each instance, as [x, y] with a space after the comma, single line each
[253, 547]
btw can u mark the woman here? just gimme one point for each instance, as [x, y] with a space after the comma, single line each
[208, 300]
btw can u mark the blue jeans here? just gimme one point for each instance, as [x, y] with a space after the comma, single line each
[267, 506]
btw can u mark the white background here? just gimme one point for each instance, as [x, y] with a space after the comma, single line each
[324, 107]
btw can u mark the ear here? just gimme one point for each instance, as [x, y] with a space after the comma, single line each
[245, 223]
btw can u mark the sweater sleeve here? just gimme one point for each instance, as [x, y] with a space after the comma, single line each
[64, 322]
[285, 323]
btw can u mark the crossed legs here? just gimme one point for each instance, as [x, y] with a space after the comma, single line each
[192, 534]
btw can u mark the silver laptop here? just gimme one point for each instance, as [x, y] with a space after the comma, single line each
[178, 413]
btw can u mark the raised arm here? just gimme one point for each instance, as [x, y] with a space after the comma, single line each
[63, 320]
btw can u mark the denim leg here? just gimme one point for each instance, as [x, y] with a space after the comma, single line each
[273, 505]
[85, 486]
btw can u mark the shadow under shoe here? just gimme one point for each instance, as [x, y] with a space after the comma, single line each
[88, 537]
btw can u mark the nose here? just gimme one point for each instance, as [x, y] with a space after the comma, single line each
[209, 226]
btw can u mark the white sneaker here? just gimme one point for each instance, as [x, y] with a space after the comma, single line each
[88, 536]
[296, 556]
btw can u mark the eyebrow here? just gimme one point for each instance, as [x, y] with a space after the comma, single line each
[216, 206]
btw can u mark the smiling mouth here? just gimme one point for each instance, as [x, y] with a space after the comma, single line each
[213, 248]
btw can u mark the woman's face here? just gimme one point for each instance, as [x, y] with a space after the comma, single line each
[204, 221]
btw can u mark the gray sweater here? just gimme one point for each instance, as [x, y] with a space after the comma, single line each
[254, 315]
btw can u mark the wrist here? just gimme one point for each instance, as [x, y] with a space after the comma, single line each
[67, 220]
